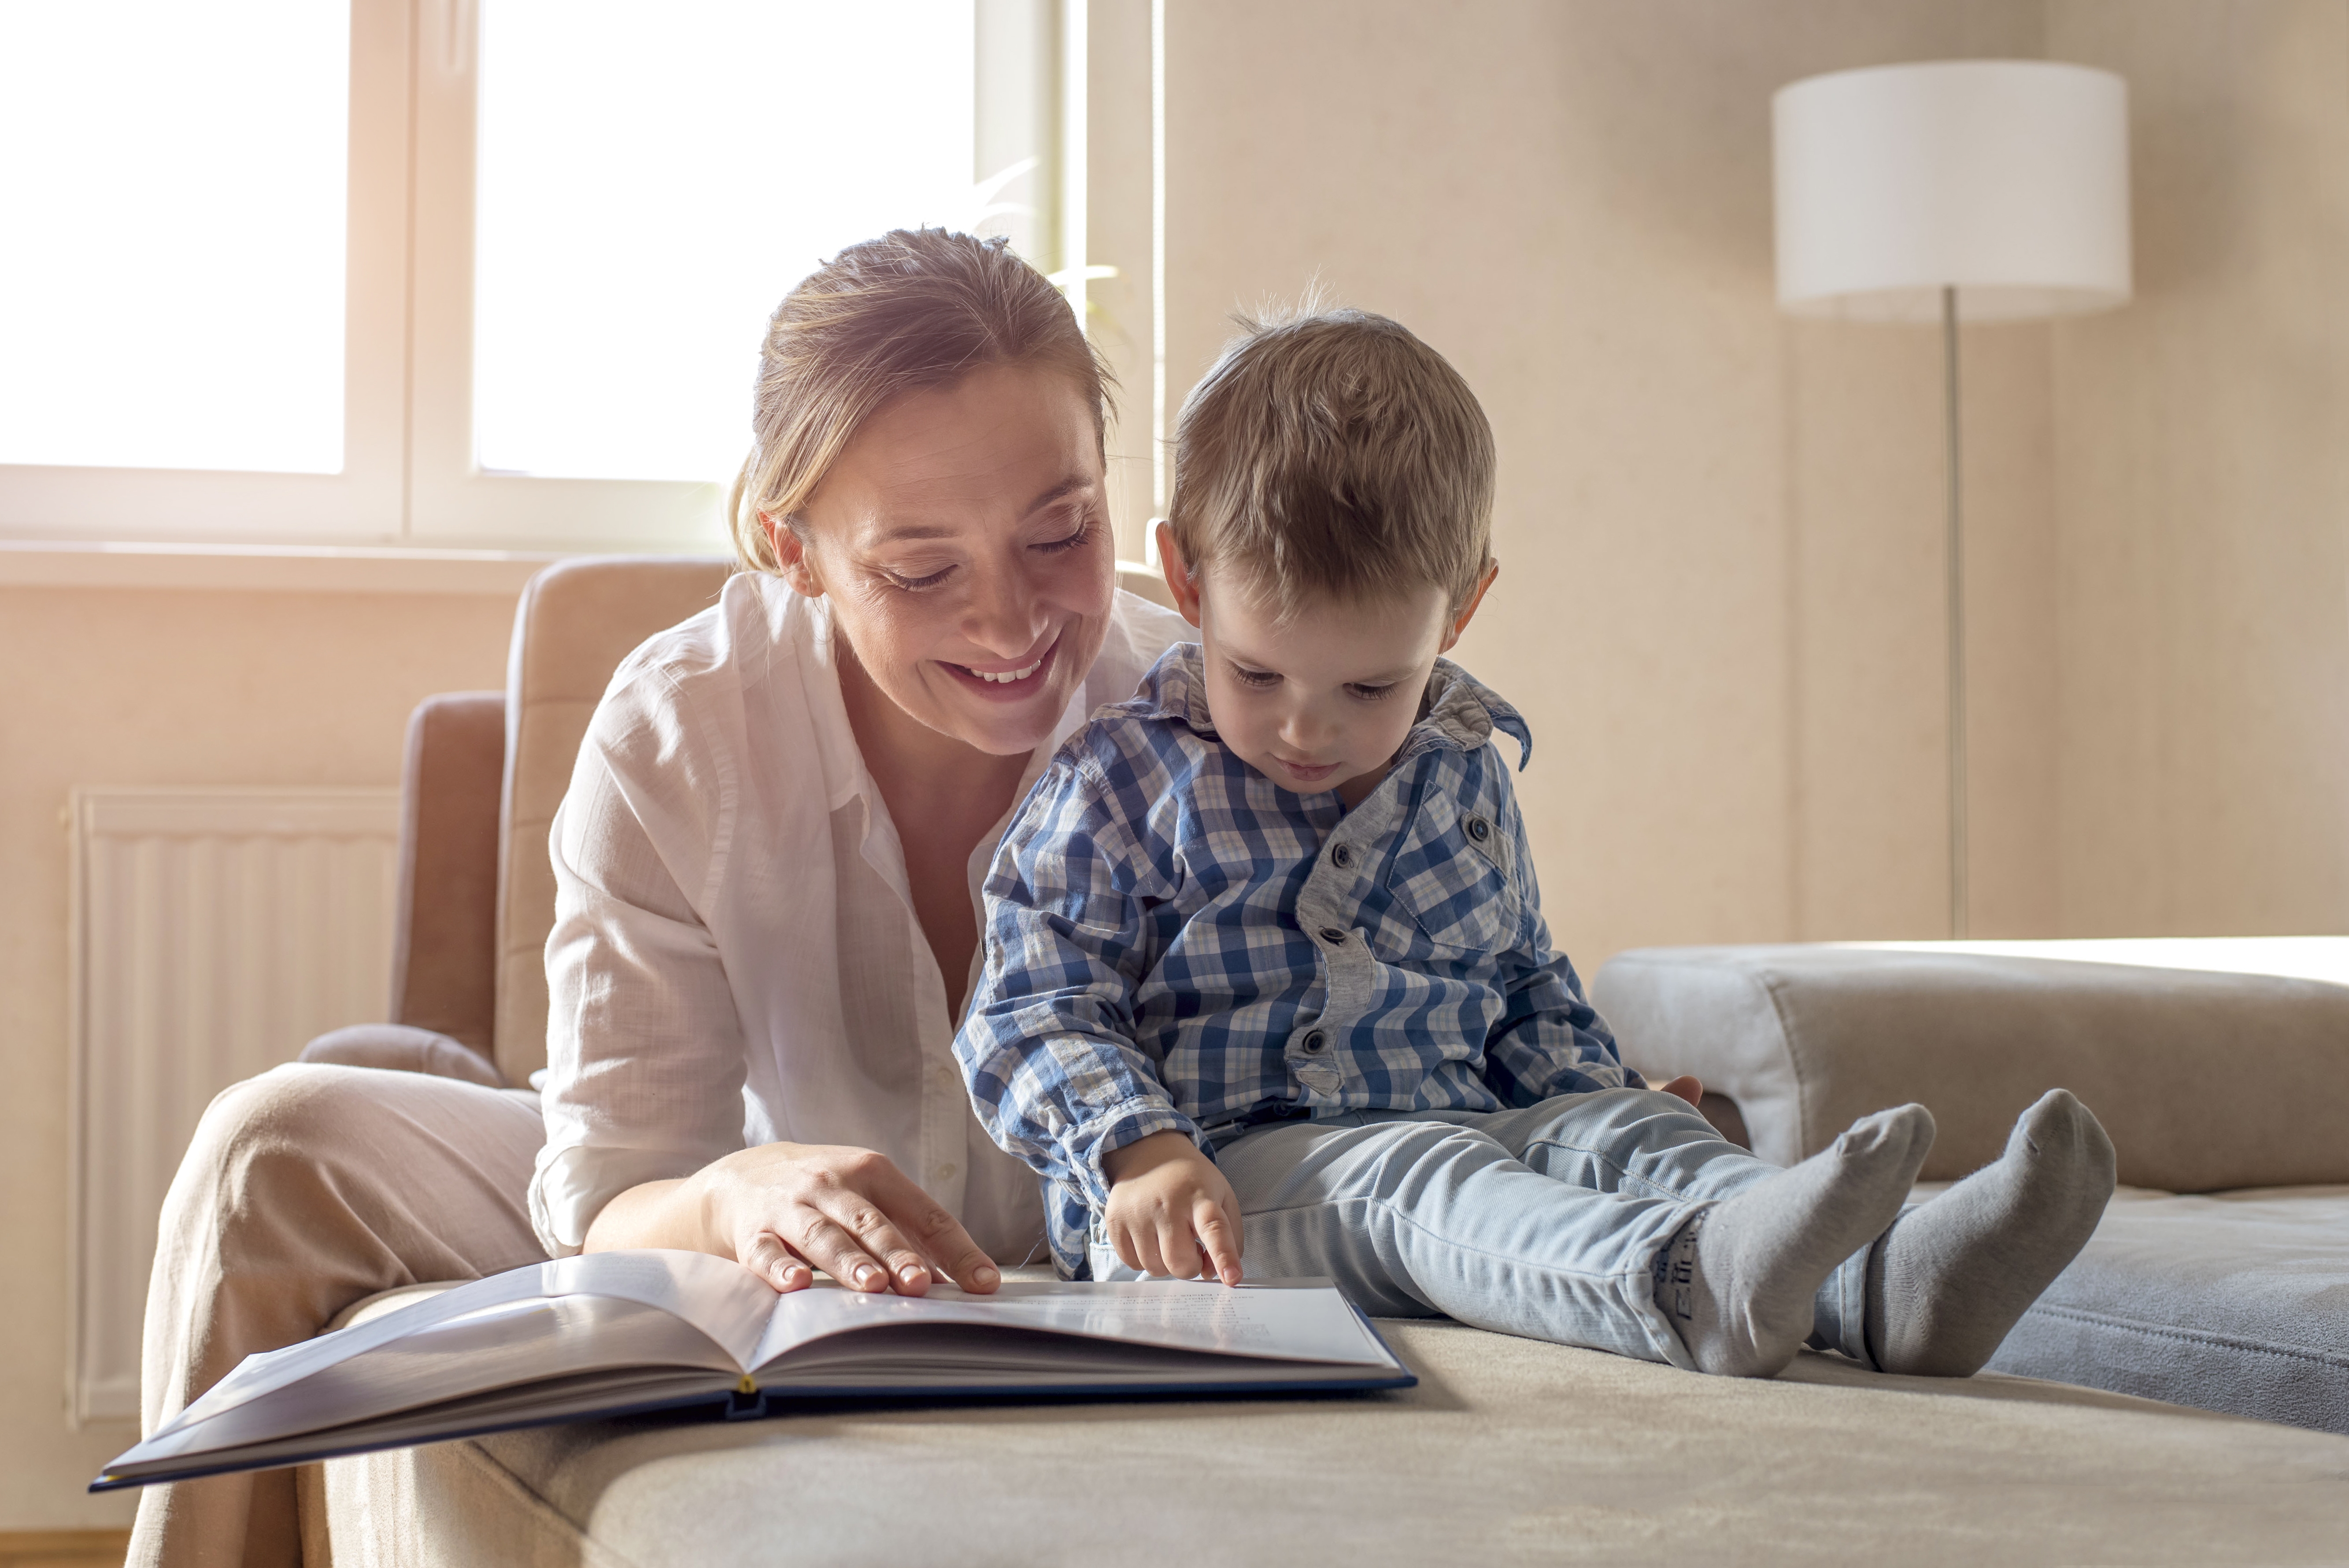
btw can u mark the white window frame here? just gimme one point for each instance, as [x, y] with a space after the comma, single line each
[409, 476]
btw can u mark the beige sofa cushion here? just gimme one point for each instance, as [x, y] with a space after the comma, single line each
[2205, 1081]
[1507, 1451]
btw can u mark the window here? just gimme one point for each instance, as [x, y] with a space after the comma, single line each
[442, 272]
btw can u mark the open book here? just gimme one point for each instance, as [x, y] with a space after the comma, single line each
[613, 1333]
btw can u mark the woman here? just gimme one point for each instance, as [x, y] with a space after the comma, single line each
[766, 867]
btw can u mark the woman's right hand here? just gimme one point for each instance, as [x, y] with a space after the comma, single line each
[783, 1209]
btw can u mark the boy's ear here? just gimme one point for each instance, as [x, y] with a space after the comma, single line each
[791, 554]
[1468, 611]
[1179, 581]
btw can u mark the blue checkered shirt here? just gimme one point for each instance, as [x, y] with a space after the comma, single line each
[1177, 942]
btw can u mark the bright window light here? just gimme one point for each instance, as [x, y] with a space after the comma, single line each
[652, 180]
[172, 179]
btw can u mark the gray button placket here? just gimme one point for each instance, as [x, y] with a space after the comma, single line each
[1328, 911]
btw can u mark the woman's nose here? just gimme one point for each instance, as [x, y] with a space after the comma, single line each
[1004, 615]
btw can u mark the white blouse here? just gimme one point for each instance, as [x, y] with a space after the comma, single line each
[735, 958]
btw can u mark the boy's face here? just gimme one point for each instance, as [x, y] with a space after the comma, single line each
[1322, 700]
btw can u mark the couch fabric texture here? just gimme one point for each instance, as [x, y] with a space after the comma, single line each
[1509, 1451]
[2221, 1280]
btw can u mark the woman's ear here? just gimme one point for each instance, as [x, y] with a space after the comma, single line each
[1468, 611]
[790, 556]
[1179, 581]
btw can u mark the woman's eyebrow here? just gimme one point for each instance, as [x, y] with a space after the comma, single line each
[1066, 486]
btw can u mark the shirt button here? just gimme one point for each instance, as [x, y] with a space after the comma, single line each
[1341, 857]
[1333, 935]
[1479, 829]
[944, 1173]
[1314, 1042]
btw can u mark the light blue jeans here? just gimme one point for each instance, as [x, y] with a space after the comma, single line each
[1544, 1221]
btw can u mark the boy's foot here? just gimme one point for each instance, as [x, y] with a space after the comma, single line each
[1738, 1280]
[1953, 1276]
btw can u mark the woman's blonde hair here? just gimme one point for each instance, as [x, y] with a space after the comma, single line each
[914, 310]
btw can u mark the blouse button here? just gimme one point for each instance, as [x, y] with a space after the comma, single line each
[1333, 935]
[944, 1173]
[1479, 829]
[1314, 1042]
[1341, 857]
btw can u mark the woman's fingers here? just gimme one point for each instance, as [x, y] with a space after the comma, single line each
[772, 1261]
[831, 1247]
[942, 1240]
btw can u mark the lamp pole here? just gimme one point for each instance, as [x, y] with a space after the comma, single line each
[1957, 615]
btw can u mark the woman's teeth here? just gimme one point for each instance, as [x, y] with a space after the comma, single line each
[1005, 677]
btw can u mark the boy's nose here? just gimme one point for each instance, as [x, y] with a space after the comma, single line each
[1308, 732]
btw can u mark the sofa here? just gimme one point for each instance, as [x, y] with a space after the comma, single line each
[1507, 1449]
[2219, 1275]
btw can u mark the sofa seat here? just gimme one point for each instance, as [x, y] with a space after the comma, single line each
[2229, 1301]
[1508, 1450]
[2222, 1082]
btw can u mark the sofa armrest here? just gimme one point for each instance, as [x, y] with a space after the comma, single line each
[444, 944]
[2205, 1081]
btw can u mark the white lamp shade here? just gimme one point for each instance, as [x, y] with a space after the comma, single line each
[2007, 180]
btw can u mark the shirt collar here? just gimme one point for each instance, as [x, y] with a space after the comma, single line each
[1462, 711]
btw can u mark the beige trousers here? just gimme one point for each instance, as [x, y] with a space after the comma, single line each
[306, 1189]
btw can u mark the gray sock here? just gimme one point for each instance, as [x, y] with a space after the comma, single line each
[1950, 1277]
[1738, 1280]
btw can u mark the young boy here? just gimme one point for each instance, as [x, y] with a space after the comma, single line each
[1268, 971]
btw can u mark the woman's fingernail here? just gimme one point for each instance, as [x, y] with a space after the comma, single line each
[867, 1274]
[984, 1274]
[910, 1274]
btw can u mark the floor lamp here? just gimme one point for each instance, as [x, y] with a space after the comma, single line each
[1961, 189]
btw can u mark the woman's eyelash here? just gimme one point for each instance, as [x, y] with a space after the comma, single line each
[1050, 547]
[1084, 532]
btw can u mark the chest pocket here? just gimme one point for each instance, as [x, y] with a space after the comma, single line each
[1451, 883]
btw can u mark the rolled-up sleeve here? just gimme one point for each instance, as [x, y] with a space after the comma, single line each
[645, 1048]
[1047, 1045]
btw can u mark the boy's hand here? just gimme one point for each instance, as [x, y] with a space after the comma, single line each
[1171, 1211]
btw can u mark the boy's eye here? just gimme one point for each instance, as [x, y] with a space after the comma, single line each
[1256, 678]
[1372, 692]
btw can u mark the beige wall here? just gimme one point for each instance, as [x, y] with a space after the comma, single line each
[2200, 484]
[156, 687]
[1721, 529]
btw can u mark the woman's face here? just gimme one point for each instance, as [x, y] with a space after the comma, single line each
[963, 539]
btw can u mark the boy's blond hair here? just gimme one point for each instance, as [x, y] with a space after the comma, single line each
[1332, 454]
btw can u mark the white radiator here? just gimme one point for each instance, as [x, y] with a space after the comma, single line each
[214, 933]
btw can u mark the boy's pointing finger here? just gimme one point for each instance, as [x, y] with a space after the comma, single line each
[1219, 1238]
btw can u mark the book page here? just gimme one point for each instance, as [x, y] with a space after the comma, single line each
[1293, 1320]
[522, 1343]
[727, 1305]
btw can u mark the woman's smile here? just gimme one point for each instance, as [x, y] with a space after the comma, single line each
[1009, 682]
